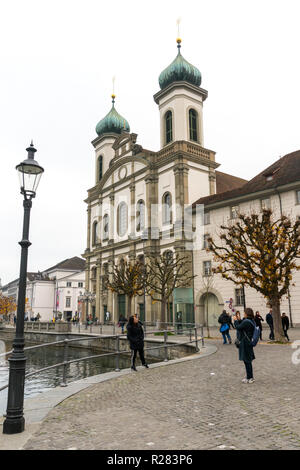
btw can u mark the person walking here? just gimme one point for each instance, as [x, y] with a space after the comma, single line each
[269, 320]
[225, 321]
[245, 329]
[285, 324]
[258, 319]
[135, 335]
[122, 321]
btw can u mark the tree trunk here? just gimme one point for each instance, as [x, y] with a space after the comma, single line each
[278, 330]
[207, 325]
[163, 325]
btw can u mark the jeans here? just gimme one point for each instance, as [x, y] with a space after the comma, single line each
[224, 334]
[249, 370]
[134, 354]
[271, 333]
[285, 334]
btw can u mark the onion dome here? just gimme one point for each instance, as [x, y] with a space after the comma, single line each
[112, 122]
[179, 70]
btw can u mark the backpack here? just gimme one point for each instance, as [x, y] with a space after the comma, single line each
[256, 334]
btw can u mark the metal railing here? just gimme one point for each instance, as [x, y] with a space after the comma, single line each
[66, 342]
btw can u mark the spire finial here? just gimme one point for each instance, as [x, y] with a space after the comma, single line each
[113, 87]
[178, 40]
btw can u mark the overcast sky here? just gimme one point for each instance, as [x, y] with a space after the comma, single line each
[57, 63]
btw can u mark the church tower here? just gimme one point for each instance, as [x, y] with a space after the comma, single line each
[180, 102]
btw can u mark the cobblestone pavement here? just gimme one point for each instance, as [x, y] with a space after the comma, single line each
[199, 404]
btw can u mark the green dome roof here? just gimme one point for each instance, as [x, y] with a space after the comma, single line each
[112, 122]
[179, 70]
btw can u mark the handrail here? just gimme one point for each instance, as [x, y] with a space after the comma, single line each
[66, 342]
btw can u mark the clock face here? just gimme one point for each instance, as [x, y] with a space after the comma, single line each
[122, 172]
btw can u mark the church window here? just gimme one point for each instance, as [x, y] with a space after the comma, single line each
[168, 255]
[140, 216]
[122, 219]
[298, 197]
[94, 233]
[205, 241]
[265, 203]
[100, 167]
[206, 218]
[167, 213]
[234, 212]
[105, 227]
[239, 296]
[169, 131]
[193, 122]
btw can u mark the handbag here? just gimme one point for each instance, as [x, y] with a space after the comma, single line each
[237, 343]
[224, 328]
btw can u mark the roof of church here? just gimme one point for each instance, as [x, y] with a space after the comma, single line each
[72, 264]
[226, 182]
[179, 70]
[112, 122]
[284, 171]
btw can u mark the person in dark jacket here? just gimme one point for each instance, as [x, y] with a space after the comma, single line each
[122, 321]
[285, 324]
[258, 319]
[225, 321]
[269, 320]
[245, 330]
[135, 335]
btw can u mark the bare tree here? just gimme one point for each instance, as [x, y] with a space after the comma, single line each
[260, 252]
[164, 273]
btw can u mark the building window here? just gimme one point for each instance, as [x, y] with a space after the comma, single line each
[168, 123]
[69, 284]
[206, 218]
[265, 203]
[94, 234]
[140, 216]
[122, 219]
[100, 167]
[298, 197]
[68, 302]
[239, 296]
[105, 227]
[205, 241]
[193, 122]
[234, 212]
[206, 268]
[167, 213]
[168, 255]
[80, 284]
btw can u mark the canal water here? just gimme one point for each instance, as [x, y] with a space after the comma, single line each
[46, 356]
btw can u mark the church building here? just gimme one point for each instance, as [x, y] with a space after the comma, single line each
[139, 198]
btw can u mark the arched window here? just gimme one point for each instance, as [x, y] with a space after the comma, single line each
[167, 213]
[122, 219]
[94, 233]
[193, 122]
[168, 126]
[105, 227]
[140, 216]
[168, 255]
[100, 167]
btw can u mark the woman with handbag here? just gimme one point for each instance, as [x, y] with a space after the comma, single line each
[245, 329]
[225, 321]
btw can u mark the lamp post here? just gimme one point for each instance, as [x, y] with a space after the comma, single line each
[87, 297]
[29, 173]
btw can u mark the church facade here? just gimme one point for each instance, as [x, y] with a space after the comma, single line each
[139, 200]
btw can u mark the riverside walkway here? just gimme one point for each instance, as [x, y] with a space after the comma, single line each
[185, 404]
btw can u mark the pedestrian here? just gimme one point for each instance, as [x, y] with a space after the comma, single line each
[135, 335]
[15, 320]
[245, 329]
[269, 320]
[258, 319]
[225, 321]
[122, 321]
[285, 324]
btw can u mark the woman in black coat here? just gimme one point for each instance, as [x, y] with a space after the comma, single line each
[245, 330]
[135, 335]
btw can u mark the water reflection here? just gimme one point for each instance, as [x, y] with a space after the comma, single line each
[43, 357]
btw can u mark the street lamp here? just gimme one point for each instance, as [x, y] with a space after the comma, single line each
[29, 173]
[87, 297]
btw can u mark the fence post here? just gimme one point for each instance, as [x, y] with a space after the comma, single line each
[114, 328]
[78, 327]
[202, 336]
[64, 381]
[166, 347]
[101, 330]
[91, 328]
[117, 351]
[196, 339]
[190, 335]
